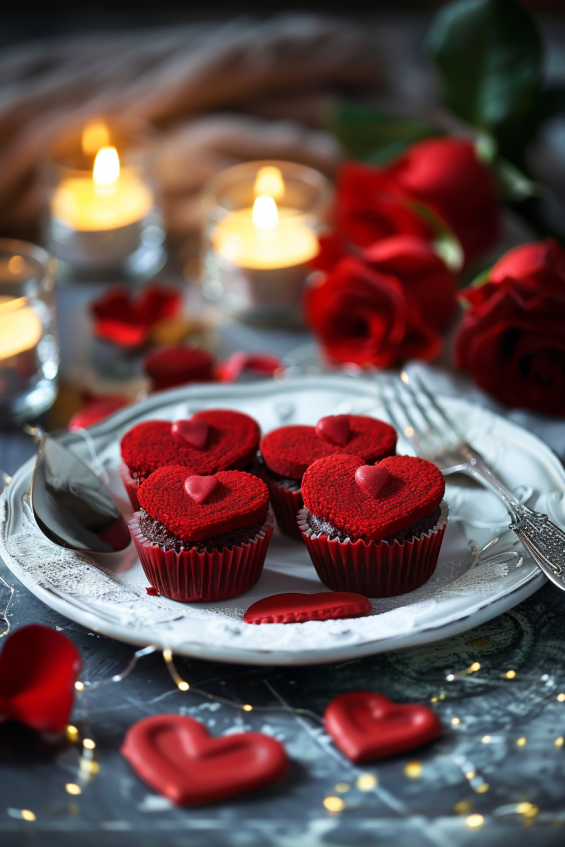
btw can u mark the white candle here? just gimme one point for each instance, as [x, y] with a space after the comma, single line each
[266, 236]
[20, 328]
[108, 198]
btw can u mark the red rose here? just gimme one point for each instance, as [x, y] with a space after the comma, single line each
[367, 317]
[446, 174]
[512, 337]
[370, 206]
[423, 274]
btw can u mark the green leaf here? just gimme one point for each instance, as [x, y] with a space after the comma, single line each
[513, 185]
[376, 136]
[488, 54]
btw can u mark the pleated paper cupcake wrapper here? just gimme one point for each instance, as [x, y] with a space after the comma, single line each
[194, 577]
[131, 485]
[285, 504]
[371, 568]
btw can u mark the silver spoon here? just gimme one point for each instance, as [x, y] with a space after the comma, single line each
[71, 505]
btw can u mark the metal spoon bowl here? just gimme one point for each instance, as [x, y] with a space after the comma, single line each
[72, 506]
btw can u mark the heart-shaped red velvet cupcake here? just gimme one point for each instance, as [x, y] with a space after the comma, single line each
[229, 442]
[290, 450]
[239, 500]
[333, 493]
[373, 529]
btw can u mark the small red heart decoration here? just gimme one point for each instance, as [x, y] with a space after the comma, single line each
[297, 608]
[38, 670]
[335, 429]
[373, 479]
[200, 488]
[194, 431]
[367, 726]
[177, 757]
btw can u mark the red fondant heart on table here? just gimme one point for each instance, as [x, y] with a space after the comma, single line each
[367, 726]
[193, 431]
[298, 608]
[290, 450]
[200, 488]
[331, 492]
[373, 479]
[177, 757]
[38, 670]
[240, 500]
[335, 429]
[231, 444]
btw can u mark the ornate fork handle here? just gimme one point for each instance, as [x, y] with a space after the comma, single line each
[544, 540]
[541, 537]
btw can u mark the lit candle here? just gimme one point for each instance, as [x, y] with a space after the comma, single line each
[108, 198]
[266, 236]
[102, 214]
[28, 348]
[262, 222]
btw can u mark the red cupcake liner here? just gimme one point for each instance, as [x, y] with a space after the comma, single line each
[194, 577]
[131, 485]
[285, 504]
[375, 569]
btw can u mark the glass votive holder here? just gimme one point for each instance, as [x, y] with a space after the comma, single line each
[261, 225]
[29, 350]
[102, 222]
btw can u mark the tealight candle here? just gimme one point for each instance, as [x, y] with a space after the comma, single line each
[262, 225]
[102, 219]
[29, 354]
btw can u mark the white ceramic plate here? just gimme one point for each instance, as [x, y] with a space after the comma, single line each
[471, 584]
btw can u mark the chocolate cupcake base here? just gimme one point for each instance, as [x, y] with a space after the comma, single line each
[374, 568]
[213, 574]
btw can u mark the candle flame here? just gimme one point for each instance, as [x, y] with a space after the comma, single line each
[265, 213]
[95, 135]
[106, 167]
[269, 181]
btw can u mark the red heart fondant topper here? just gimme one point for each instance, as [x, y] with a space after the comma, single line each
[335, 429]
[193, 431]
[373, 479]
[200, 488]
[290, 450]
[38, 670]
[239, 500]
[367, 726]
[298, 608]
[177, 757]
[231, 443]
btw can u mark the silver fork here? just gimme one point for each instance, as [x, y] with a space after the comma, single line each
[436, 437]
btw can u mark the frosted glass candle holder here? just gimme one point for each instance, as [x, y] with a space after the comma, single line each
[261, 225]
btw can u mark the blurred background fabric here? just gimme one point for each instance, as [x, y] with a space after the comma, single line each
[266, 83]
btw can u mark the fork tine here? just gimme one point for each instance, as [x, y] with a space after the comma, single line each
[444, 417]
[417, 429]
[432, 426]
[388, 409]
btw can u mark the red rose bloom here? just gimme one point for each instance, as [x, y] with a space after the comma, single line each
[446, 174]
[371, 206]
[366, 317]
[512, 337]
